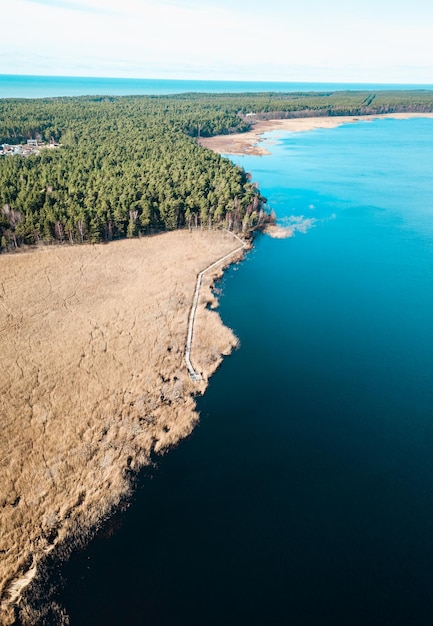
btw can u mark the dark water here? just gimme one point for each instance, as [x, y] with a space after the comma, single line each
[21, 86]
[305, 496]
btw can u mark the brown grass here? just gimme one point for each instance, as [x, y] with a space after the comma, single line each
[93, 379]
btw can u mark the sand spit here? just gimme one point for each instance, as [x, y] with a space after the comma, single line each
[94, 379]
[249, 143]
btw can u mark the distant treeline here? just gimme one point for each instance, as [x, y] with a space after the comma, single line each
[131, 165]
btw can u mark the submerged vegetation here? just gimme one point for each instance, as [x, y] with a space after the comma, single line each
[131, 165]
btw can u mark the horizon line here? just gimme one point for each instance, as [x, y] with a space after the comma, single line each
[217, 80]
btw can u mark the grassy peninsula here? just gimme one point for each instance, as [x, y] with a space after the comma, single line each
[94, 380]
[93, 336]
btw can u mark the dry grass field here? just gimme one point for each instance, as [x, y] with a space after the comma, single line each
[92, 380]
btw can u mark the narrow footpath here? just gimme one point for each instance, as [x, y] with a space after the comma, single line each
[194, 375]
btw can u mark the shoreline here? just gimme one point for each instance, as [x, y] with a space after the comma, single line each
[222, 262]
[88, 435]
[252, 141]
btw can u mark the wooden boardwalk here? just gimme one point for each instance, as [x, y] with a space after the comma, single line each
[194, 375]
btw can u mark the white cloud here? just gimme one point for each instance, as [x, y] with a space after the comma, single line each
[187, 38]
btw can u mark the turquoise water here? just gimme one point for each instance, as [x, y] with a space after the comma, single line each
[305, 496]
[20, 86]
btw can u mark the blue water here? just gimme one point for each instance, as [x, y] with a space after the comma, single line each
[305, 496]
[21, 86]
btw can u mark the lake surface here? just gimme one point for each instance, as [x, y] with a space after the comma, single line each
[305, 495]
[21, 86]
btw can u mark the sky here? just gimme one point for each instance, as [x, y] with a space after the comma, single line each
[379, 41]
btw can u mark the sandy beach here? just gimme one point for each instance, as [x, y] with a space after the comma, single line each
[93, 380]
[253, 142]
